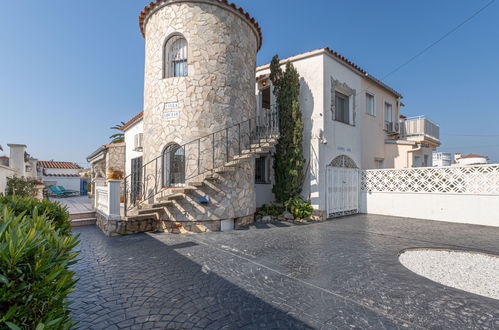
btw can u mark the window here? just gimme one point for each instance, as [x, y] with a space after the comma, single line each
[379, 162]
[342, 108]
[417, 161]
[262, 170]
[370, 104]
[388, 113]
[175, 57]
[426, 161]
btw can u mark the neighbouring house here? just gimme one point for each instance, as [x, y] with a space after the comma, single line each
[108, 157]
[198, 157]
[442, 159]
[58, 173]
[470, 159]
[19, 164]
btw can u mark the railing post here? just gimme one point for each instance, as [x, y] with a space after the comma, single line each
[249, 134]
[155, 176]
[227, 143]
[199, 156]
[125, 201]
[239, 136]
[213, 145]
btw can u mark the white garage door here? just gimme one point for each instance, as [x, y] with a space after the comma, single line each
[342, 187]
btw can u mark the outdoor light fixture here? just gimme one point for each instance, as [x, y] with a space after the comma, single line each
[264, 83]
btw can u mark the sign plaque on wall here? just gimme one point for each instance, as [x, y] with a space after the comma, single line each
[169, 113]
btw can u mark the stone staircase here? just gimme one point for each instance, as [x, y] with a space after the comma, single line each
[169, 201]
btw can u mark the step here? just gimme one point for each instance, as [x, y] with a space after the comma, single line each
[142, 216]
[83, 215]
[224, 169]
[83, 222]
[161, 204]
[176, 196]
[256, 150]
[196, 184]
[244, 156]
[151, 210]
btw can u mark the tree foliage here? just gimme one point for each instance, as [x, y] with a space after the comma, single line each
[23, 187]
[118, 137]
[288, 158]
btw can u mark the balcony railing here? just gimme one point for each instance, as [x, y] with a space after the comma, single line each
[419, 127]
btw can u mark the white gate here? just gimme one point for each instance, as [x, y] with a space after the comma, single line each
[342, 187]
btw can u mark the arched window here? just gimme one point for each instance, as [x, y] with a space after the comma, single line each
[343, 161]
[173, 165]
[175, 60]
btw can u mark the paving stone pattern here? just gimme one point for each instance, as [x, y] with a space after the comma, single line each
[343, 273]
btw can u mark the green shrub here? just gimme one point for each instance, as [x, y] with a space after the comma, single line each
[55, 212]
[24, 187]
[299, 207]
[272, 209]
[35, 279]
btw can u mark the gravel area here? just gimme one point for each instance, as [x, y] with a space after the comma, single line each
[468, 271]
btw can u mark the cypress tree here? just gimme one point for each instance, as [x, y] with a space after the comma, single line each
[288, 158]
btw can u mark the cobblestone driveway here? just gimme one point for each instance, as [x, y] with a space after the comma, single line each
[338, 274]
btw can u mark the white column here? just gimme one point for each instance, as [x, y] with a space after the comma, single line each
[114, 194]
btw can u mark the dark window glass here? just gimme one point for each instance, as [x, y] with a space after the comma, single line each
[261, 170]
[342, 108]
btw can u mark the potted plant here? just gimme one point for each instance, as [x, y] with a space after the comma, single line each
[113, 174]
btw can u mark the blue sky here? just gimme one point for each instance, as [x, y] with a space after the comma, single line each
[69, 70]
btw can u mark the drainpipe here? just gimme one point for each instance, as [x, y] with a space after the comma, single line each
[411, 151]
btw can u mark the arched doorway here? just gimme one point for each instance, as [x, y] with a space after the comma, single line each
[342, 181]
[173, 160]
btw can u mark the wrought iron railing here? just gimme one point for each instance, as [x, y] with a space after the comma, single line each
[182, 163]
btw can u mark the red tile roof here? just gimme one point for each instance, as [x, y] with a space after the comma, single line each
[147, 10]
[132, 121]
[474, 156]
[53, 164]
[65, 175]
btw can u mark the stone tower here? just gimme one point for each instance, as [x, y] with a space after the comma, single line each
[200, 59]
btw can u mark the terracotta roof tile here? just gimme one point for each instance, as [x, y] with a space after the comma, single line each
[132, 121]
[64, 175]
[147, 10]
[55, 164]
[474, 156]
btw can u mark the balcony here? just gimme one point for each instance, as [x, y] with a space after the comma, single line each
[420, 129]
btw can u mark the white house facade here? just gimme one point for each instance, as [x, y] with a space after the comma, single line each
[442, 159]
[351, 120]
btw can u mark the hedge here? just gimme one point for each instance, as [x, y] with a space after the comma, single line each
[35, 278]
[54, 211]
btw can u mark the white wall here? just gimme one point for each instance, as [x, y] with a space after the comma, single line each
[16, 160]
[130, 153]
[61, 171]
[465, 194]
[5, 172]
[70, 183]
[465, 208]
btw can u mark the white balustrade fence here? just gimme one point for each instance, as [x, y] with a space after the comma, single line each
[107, 199]
[467, 194]
[101, 199]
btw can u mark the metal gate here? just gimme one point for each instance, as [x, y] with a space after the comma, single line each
[342, 179]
